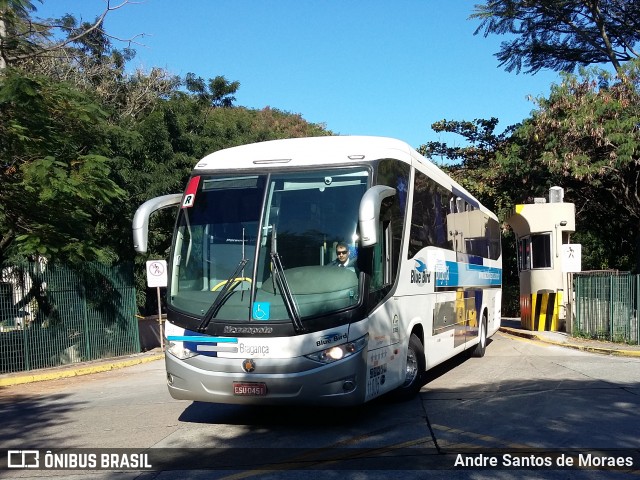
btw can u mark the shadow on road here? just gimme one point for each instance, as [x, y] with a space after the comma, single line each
[30, 417]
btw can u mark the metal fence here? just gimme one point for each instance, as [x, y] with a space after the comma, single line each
[52, 315]
[606, 306]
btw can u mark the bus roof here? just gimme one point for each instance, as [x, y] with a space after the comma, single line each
[325, 150]
[305, 152]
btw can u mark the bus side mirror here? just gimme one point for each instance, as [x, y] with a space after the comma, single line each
[369, 213]
[141, 218]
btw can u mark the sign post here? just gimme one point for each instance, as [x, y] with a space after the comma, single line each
[157, 277]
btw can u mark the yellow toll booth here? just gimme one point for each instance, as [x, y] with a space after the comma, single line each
[541, 228]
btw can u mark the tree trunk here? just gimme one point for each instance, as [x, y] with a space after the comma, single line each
[3, 33]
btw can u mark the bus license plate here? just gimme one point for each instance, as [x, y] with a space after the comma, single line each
[250, 389]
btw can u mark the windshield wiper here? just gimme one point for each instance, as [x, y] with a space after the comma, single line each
[289, 303]
[221, 298]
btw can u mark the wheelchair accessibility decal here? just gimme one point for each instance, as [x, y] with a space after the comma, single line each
[261, 310]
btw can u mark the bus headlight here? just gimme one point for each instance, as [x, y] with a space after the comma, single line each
[338, 352]
[178, 350]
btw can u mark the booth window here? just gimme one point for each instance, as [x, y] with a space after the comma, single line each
[534, 251]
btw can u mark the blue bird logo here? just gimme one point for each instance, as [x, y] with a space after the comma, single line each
[421, 266]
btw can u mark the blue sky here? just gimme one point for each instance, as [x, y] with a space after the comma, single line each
[388, 68]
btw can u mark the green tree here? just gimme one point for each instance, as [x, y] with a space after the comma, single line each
[561, 34]
[217, 92]
[22, 37]
[88, 60]
[15, 30]
[586, 137]
[473, 163]
[83, 142]
[55, 168]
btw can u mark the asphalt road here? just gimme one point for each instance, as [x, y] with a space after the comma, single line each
[524, 404]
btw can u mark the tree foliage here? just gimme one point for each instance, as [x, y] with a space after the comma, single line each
[217, 92]
[561, 34]
[584, 137]
[16, 31]
[84, 141]
[473, 163]
[23, 37]
[55, 183]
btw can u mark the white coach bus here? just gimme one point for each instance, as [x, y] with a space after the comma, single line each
[260, 312]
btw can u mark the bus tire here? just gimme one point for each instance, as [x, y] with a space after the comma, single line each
[480, 348]
[414, 372]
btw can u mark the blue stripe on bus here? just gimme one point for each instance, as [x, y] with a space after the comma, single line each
[463, 275]
[201, 339]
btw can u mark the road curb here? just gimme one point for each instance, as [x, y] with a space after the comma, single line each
[20, 379]
[585, 348]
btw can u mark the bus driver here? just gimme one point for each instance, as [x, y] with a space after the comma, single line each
[342, 257]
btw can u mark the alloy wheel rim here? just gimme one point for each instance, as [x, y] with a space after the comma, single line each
[412, 368]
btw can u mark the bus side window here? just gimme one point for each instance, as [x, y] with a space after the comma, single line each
[389, 254]
[386, 253]
[385, 261]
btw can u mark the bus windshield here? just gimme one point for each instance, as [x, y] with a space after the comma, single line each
[263, 247]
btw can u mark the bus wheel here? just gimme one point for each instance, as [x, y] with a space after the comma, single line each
[482, 343]
[414, 372]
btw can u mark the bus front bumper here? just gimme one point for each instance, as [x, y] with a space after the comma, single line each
[216, 380]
